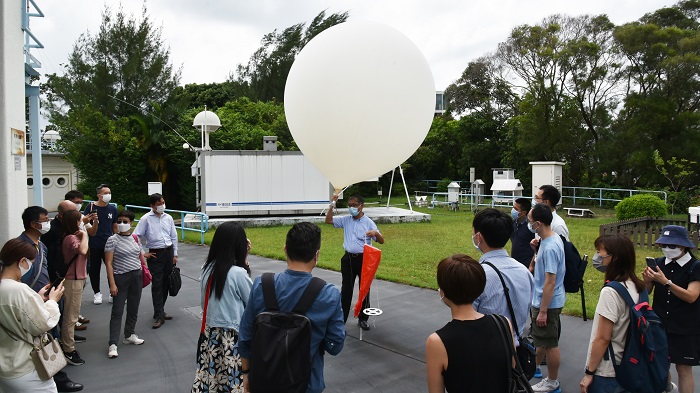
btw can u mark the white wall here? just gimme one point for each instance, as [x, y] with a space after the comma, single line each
[13, 186]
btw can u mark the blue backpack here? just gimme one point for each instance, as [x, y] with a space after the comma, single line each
[644, 365]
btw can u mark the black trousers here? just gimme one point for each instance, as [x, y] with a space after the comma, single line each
[161, 266]
[97, 256]
[351, 267]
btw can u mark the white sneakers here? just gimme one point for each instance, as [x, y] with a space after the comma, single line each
[97, 299]
[110, 298]
[133, 339]
[546, 385]
[112, 352]
[672, 388]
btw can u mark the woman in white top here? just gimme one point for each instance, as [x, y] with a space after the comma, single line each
[615, 257]
[227, 273]
[24, 314]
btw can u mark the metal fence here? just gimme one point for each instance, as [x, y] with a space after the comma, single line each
[203, 221]
[474, 200]
[604, 194]
[644, 231]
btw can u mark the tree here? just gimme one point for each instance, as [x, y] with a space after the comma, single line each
[267, 70]
[677, 172]
[102, 105]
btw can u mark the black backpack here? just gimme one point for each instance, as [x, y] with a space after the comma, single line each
[575, 267]
[280, 359]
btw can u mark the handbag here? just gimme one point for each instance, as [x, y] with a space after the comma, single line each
[146, 274]
[525, 352]
[518, 382]
[175, 281]
[46, 354]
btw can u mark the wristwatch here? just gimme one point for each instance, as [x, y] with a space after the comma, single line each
[668, 284]
[588, 372]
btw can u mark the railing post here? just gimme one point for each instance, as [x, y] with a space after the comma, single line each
[182, 225]
[600, 198]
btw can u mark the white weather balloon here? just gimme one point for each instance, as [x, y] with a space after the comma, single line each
[359, 100]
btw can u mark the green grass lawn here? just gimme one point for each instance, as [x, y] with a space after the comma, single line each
[412, 250]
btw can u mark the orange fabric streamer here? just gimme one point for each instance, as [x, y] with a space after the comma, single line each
[370, 262]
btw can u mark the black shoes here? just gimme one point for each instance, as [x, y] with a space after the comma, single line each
[158, 323]
[69, 386]
[79, 339]
[74, 358]
[363, 325]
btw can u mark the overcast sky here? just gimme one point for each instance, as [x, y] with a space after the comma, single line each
[208, 38]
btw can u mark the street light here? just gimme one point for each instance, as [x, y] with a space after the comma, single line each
[207, 122]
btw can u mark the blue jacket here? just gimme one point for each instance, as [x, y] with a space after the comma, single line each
[227, 311]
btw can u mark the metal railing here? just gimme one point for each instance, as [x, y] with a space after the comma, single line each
[474, 200]
[584, 193]
[203, 221]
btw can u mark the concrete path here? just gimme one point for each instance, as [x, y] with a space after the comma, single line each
[390, 358]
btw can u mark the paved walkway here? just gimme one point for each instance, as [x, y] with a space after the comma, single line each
[390, 358]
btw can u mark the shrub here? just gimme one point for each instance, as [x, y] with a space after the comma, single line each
[642, 205]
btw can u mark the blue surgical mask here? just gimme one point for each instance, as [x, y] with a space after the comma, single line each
[354, 211]
[476, 245]
[514, 213]
[598, 263]
[531, 228]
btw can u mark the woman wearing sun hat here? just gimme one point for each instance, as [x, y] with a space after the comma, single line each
[676, 286]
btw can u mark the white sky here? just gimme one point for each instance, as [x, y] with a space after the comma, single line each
[208, 38]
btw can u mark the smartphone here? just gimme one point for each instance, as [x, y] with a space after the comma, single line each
[56, 282]
[651, 262]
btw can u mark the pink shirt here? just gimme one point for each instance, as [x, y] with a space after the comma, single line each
[78, 270]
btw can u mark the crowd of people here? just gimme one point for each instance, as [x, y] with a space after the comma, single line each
[526, 287]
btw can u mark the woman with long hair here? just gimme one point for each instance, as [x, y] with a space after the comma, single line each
[75, 249]
[227, 276]
[467, 354]
[615, 257]
[24, 314]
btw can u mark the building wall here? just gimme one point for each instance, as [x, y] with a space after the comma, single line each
[59, 177]
[13, 194]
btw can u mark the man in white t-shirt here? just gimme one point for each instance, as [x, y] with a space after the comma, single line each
[550, 196]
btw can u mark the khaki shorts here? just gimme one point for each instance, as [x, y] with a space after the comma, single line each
[548, 336]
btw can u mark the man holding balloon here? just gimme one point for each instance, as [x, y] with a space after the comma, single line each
[358, 231]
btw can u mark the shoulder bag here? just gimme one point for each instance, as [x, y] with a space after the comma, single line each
[518, 382]
[526, 350]
[146, 274]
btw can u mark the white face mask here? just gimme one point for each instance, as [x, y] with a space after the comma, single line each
[78, 206]
[106, 198]
[123, 227]
[672, 253]
[45, 227]
[22, 270]
[160, 209]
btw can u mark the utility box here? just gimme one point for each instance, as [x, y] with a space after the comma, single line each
[478, 189]
[505, 186]
[269, 143]
[453, 192]
[546, 172]
[155, 187]
[261, 183]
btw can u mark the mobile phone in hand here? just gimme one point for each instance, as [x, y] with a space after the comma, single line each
[651, 262]
[57, 281]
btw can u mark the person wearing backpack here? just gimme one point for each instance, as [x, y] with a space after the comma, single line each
[675, 282]
[548, 296]
[327, 333]
[615, 257]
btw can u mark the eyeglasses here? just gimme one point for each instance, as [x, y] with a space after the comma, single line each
[354, 204]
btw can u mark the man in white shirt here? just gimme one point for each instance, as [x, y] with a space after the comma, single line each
[550, 196]
[157, 229]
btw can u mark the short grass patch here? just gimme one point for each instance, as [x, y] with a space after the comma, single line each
[412, 250]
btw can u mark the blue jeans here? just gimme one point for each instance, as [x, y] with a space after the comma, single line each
[605, 385]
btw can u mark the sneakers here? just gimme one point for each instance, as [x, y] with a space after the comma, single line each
[97, 299]
[74, 358]
[79, 339]
[112, 352]
[547, 385]
[672, 388]
[110, 298]
[538, 373]
[133, 339]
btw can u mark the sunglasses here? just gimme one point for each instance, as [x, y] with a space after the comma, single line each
[670, 246]
[123, 222]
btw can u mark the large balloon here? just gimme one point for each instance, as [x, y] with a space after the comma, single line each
[359, 100]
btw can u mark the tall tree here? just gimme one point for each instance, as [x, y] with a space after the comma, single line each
[118, 77]
[267, 70]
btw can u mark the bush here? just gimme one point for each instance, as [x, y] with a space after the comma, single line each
[642, 205]
[442, 185]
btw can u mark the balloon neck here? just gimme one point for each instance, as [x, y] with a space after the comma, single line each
[338, 190]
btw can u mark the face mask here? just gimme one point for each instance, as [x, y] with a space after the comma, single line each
[78, 206]
[160, 209]
[45, 227]
[476, 245]
[514, 213]
[23, 271]
[123, 227]
[672, 253]
[531, 228]
[598, 263]
[354, 211]
[106, 198]
[534, 203]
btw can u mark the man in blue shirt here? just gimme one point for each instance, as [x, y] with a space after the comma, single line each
[491, 230]
[358, 231]
[548, 298]
[104, 216]
[326, 315]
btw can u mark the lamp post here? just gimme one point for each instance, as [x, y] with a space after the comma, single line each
[207, 122]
